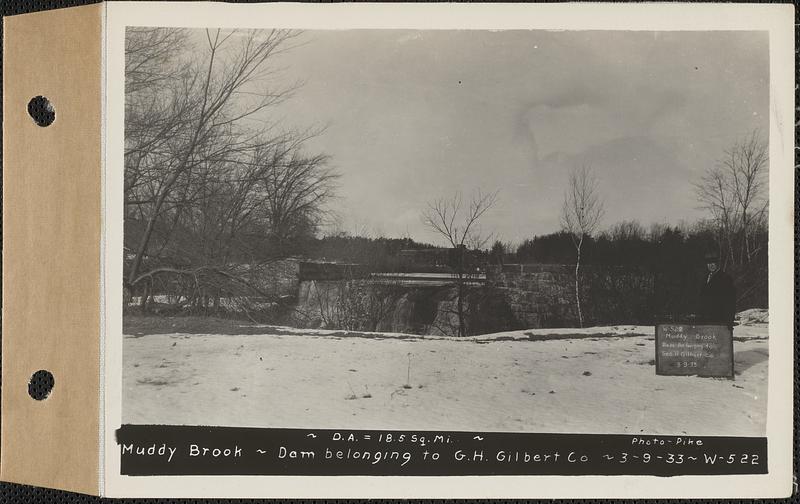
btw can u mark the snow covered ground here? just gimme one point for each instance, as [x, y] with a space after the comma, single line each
[597, 380]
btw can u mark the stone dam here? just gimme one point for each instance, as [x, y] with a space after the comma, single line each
[500, 298]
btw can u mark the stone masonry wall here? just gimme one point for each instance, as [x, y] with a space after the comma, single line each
[516, 296]
[539, 295]
[543, 295]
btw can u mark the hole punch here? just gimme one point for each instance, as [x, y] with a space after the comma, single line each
[42, 111]
[41, 384]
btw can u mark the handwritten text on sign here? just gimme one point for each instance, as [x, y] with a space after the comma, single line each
[702, 350]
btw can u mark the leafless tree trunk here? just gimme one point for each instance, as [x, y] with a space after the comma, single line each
[734, 192]
[580, 215]
[204, 187]
[209, 123]
[458, 224]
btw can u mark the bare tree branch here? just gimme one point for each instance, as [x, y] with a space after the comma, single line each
[580, 215]
[458, 225]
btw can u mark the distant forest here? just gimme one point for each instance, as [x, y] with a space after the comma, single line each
[673, 253]
[625, 243]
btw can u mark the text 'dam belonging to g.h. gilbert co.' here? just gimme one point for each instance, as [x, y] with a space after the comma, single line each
[149, 450]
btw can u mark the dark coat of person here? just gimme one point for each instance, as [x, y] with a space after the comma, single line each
[717, 300]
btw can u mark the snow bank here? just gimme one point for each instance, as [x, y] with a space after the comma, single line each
[755, 331]
[587, 383]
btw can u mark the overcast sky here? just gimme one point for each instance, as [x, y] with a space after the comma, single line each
[416, 115]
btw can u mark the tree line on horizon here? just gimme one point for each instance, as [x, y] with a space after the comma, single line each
[667, 250]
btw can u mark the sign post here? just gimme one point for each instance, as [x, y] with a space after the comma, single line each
[699, 350]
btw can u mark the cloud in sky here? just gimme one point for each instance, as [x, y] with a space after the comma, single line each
[415, 115]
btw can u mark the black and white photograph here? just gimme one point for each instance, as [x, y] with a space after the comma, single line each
[542, 231]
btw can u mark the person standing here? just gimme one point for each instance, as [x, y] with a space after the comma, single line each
[717, 304]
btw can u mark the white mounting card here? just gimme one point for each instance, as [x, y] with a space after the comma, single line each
[409, 250]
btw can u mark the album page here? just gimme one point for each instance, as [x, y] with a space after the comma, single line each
[448, 250]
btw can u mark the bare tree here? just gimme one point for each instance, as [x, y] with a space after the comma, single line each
[627, 230]
[208, 129]
[294, 189]
[734, 191]
[152, 57]
[580, 215]
[457, 223]
[203, 168]
[154, 68]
